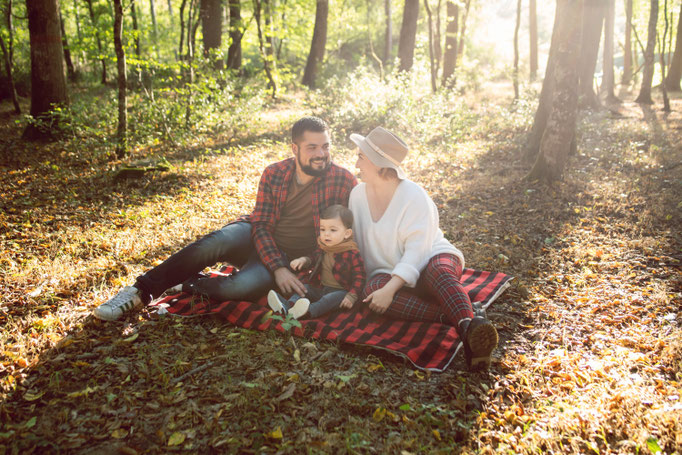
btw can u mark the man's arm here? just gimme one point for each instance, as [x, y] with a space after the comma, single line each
[263, 220]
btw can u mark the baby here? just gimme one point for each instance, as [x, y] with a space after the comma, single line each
[338, 272]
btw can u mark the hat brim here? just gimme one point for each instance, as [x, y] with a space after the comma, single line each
[374, 157]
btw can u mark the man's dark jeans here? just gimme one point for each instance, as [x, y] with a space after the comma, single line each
[231, 243]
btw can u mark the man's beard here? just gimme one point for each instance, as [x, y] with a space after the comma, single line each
[309, 170]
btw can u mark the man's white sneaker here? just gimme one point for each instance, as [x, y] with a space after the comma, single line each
[275, 303]
[300, 308]
[126, 299]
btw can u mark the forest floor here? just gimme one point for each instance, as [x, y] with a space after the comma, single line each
[590, 358]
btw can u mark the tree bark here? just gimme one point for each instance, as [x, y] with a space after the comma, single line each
[212, 27]
[318, 43]
[592, 23]
[182, 28]
[152, 13]
[533, 32]
[609, 82]
[234, 52]
[136, 29]
[515, 75]
[463, 28]
[627, 51]
[547, 91]
[388, 39]
[7, 55]
[122, 131]
[48, 82]
[272, 84]
[560, 132]
[70, 71]
[408, 35]
[93, 19]
[432, 61]
[672, 80]
[666, 100]
[450, 52]
[644, 96]
[10, 77]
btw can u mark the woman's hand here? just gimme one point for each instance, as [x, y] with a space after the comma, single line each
[380, 300]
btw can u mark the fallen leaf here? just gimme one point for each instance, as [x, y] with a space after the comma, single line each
[176, 439]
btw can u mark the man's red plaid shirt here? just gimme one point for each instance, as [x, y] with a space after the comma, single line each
[273, 190]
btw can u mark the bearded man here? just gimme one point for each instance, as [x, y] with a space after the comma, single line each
[283, 225]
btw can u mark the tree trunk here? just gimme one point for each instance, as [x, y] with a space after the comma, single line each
[437, 48]
[627, 51]
[560, 132]
[78, 24]
[182, 28]
[608, 85]
[672, 80]
[408, 35]
[7, 55]
[388, 39]
[136, 29]
[234, 53]
[48, 82]
[212, 27]
[98, 40]
[463, 28]
[515, 75]
[70, 71]
[450, 52]
[121, 133]
[170, 11]
[592, 23]
[318, 43]
[533, 32]
[432, 61]
[666, 100]
[192, 27]
[547, 92]
[152, 13]
[644, 96]
[272, 84]
[10, 77]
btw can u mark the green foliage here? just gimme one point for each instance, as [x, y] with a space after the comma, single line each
[362, 101]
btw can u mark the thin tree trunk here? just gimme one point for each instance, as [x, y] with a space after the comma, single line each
[463, 28]
[592, 24]
[170, 12]
[666, 100]
[70, 71]
[272, 84]
[136, 29]
[547, 92]
[371, 41]
[234, 52]
[560, 132]
[8, 56]
[437, 48]
[533, 32]
[515, 75]
[388, 38]
[48, 82]
[10, 78]
[196, 19]
[98, 40]
[318, 43]
[609, 78]
[450, 51]
[627, 51]
[152, 13]
[122, 131]
[644, 96]
[432, 62]
[672, 80]
[182, 27]
[78, 24]
[408, 35]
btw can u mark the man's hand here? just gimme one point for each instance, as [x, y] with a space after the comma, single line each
[346, 303]
[288, 283]
[299, 263]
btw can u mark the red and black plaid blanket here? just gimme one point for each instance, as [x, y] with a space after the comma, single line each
[428, 345]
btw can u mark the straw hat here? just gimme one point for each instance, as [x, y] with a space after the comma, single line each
[383, 148]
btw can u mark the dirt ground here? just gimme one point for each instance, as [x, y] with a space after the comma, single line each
[590, 358]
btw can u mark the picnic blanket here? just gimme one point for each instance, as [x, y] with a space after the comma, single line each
[428, 345]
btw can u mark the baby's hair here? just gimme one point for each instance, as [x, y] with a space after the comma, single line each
[338, 211]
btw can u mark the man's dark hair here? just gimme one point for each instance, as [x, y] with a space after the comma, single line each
[338, 211]
[314, 124]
